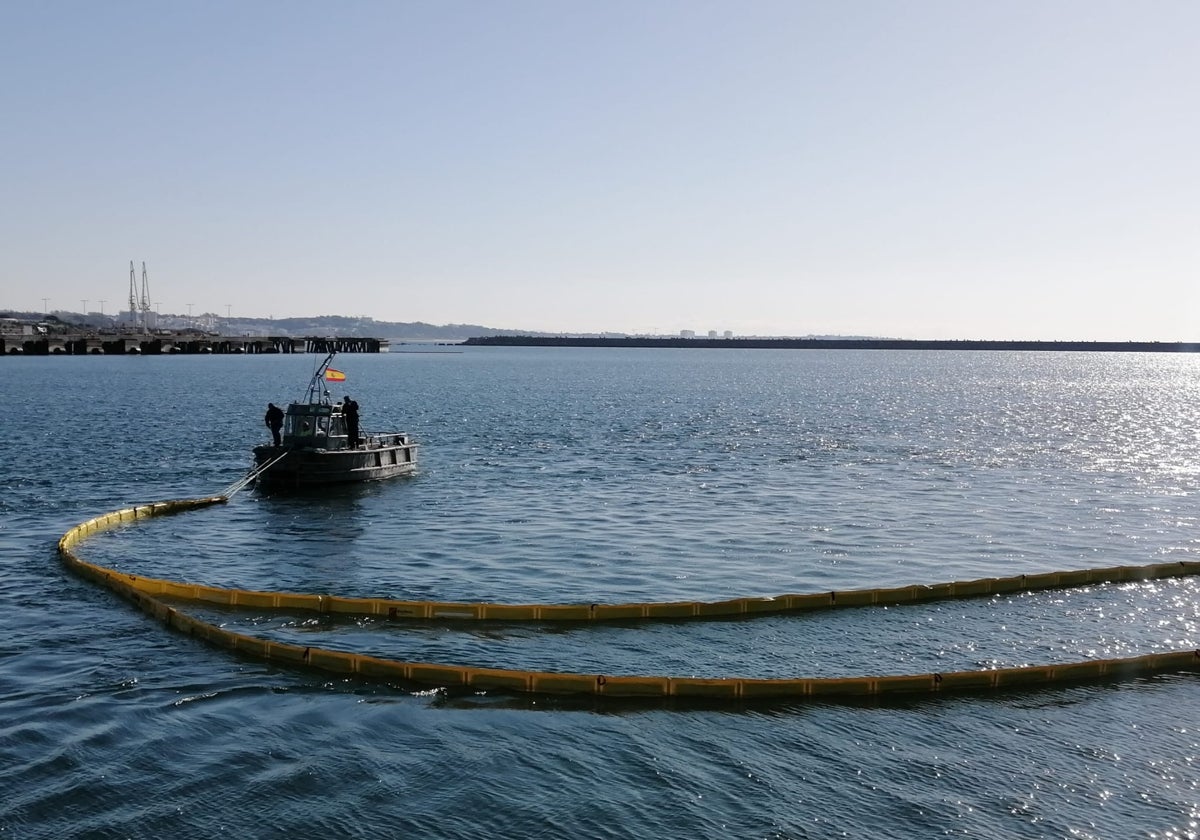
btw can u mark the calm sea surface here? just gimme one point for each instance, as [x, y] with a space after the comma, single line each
[581, 475]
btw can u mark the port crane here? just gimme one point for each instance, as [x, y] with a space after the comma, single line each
[139, 306]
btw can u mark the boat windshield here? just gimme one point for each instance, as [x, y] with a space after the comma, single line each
[307, 424]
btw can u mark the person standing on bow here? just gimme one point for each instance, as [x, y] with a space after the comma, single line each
[274, 420]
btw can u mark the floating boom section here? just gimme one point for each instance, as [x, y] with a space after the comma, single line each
[147, 593]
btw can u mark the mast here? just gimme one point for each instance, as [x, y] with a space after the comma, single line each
[316, 385]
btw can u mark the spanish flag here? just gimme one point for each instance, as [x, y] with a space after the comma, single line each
[332, 375]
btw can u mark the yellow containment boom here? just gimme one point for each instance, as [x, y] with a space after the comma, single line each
[146, 593]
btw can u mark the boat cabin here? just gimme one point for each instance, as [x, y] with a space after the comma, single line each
[315, 426]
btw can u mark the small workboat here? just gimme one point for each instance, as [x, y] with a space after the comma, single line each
[316, 449]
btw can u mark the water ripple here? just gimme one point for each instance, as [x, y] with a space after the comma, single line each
[581, 476]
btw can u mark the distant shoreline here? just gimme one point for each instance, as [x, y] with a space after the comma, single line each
[835, 344]
[164, 343]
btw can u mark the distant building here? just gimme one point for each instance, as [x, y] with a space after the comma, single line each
[712, 333]
[728, 334]
[687, 333]
[137, 319]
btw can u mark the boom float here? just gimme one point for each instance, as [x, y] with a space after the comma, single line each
[146, 593]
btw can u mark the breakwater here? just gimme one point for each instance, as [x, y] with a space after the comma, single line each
[833, 344]
[165, 343]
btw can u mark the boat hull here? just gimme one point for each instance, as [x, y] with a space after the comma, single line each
[319, 467]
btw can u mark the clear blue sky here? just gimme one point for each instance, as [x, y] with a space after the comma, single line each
[1014, 170]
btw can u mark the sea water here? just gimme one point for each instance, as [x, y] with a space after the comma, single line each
[608, 475]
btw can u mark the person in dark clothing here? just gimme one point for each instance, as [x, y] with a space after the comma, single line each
[350, 410]
[274, 420]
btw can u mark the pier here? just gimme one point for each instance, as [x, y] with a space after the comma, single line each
[169, 343]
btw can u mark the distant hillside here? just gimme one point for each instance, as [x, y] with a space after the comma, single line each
[338, 325]
[317, 325]
[331, 326]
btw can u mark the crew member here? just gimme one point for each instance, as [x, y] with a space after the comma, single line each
[274, 421]
[350, 410]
